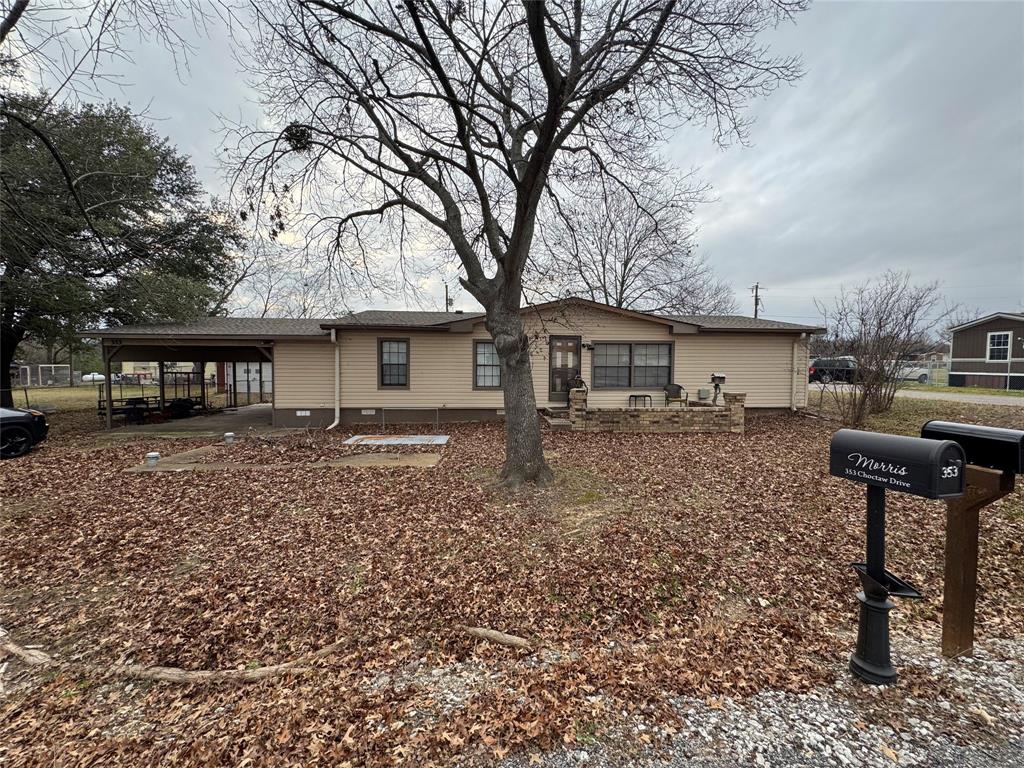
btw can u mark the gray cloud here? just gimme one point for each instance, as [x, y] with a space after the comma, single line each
[903, 146]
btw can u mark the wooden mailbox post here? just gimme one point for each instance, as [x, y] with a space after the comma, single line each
[994, 457]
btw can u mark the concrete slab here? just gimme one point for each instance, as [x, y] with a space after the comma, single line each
[256, 418]
[397, 440]
[409, 460]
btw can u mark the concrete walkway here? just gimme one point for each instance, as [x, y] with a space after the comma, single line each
[238, 420]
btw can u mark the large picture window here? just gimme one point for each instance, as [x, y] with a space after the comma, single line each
[393, 359]
[998, 346]
[486, 366]
[632, 365]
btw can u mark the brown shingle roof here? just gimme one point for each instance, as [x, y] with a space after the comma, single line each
[740, 323]
[400, 318]
[268, 327]
[262, 327]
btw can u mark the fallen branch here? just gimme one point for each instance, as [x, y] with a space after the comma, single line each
[37, 658]
[493, 636]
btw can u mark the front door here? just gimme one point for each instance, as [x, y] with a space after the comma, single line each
[564, 366]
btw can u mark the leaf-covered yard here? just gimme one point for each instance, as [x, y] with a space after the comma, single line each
[710, 566]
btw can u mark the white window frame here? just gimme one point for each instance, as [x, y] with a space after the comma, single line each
[988, 346]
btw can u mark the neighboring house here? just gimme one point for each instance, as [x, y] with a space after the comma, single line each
[422, 365]
[988, 352]
[937, 354]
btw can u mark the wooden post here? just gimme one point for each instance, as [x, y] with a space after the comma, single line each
[160, 376]
[108, 388]
[260, 364]
[202, 384]
[983, 486]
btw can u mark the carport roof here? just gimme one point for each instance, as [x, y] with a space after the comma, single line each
[220, 327]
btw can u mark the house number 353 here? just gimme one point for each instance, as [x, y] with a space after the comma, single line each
[953, 471]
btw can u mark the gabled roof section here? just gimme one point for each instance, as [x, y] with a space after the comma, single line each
[219, 327]
[1012, 316]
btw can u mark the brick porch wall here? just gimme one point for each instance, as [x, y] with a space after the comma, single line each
[721, 418]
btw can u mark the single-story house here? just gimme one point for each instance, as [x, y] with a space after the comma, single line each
[988, 352]
[426, 365]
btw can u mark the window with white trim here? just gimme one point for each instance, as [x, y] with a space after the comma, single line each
[486, 366]
[998, 346]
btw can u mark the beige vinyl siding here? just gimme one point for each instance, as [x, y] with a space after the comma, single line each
[760, 364]
[441, 364]
[440, 372]
[304, 374]
[591, 325]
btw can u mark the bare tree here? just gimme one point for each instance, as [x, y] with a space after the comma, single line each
[456, 117]
[880, 324]
[282, 282]
[630, 247]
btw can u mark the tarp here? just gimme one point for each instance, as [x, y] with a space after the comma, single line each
[397, 440]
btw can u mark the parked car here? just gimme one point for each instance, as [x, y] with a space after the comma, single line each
[911, 371]
[829, 369]
[94, 378]
[20, 430]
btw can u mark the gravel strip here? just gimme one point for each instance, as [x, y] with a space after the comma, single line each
[968, 712]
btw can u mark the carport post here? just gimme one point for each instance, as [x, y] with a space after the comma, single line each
[160, 374]
[108, 389]
[202, 384]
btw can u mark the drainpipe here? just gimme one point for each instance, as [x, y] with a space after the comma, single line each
[337, 379]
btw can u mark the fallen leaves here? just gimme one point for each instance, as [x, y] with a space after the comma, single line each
[708, 565]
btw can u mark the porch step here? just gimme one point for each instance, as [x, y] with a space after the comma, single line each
[556, 422]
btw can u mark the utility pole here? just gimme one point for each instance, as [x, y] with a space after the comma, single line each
[755, 289]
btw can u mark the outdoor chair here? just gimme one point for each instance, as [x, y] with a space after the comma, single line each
[675, 394]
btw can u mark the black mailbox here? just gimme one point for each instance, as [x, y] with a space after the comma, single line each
[915, 465]
[993, 447]
[931, 468]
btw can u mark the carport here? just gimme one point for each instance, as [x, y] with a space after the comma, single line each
[202, 351]
[232, 341]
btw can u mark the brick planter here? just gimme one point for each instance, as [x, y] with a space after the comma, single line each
[703, 418]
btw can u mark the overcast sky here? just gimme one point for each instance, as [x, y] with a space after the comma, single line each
[902, 147]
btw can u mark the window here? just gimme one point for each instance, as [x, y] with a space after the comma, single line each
[393, 361]
[998, 346]
[632, 365]
[652, 365]
[486, 366]
[611, 365]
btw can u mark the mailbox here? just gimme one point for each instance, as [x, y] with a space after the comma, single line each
[993, 447]
[930, 468]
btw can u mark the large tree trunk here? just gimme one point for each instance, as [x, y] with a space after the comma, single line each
[524, 451]
[10, 338]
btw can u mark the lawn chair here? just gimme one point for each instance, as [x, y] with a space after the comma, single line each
[676, 394]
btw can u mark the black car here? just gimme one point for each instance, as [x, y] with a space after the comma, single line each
[20, 430]
[829, 369]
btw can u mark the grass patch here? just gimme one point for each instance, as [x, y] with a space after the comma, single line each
[940, 388]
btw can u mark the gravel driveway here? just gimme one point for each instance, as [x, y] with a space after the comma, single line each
[966, 713]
